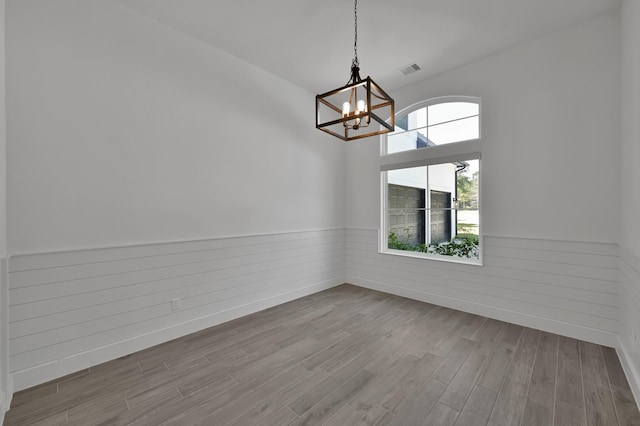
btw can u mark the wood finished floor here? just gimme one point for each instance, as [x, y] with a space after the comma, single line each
[346, 356]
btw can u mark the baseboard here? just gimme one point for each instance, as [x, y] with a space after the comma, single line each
[3, 407]
[5, 401]
[576, 331]
[27, 378]
[6, 396]
[630, 370]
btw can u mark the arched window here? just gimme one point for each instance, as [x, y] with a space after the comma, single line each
[430, 169]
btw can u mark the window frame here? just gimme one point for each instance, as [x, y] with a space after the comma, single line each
[470, 149]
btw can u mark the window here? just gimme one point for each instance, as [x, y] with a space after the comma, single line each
[430, 173]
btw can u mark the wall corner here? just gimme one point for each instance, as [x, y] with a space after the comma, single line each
[6, 392]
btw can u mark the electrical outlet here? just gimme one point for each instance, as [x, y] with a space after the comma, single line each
[176, 304]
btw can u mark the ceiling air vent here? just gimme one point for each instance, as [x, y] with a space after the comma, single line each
[409, 69]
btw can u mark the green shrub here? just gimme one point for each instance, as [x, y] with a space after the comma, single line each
[472, 238]
[396, 244]
[463, 245]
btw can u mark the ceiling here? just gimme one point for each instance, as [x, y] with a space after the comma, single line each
[310, 42]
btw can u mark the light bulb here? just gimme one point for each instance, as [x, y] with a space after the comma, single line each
[345, 108]
[362, 106]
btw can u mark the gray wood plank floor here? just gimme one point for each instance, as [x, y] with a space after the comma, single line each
[346, 356]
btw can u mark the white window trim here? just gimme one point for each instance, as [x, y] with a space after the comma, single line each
[429, 102]
[446, 153]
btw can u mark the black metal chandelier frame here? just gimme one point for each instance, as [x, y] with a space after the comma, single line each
[352, 119]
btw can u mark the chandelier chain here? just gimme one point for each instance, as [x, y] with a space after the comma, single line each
[356, 62]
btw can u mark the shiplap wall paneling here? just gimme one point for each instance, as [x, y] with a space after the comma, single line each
[80, 308]
[569, 288]
[629, 343]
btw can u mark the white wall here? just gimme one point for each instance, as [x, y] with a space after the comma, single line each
[135, 152]
[550, 123]
[630, 183]
[3, 138]
[442, 177]
[550, 189]
[5, 391]
[123, 131]
[629, 344]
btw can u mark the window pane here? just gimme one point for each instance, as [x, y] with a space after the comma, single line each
[436, 124]
[406, 141]
[468, 222]
[434, 209]
[417, 119]
[467, 185]
[414, 177]
[406, 216]
[439, 113]
[455, 131]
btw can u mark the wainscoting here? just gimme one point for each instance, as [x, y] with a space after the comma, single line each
[567, 288]
[72, 310]
[629, 333]
[5, 378]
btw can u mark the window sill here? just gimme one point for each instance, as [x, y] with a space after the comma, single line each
[437, 258]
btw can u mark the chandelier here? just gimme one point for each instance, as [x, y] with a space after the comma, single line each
[354, 111]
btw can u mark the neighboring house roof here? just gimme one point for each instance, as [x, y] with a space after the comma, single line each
[422, 141]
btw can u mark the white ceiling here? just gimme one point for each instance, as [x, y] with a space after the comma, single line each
[310, 42]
